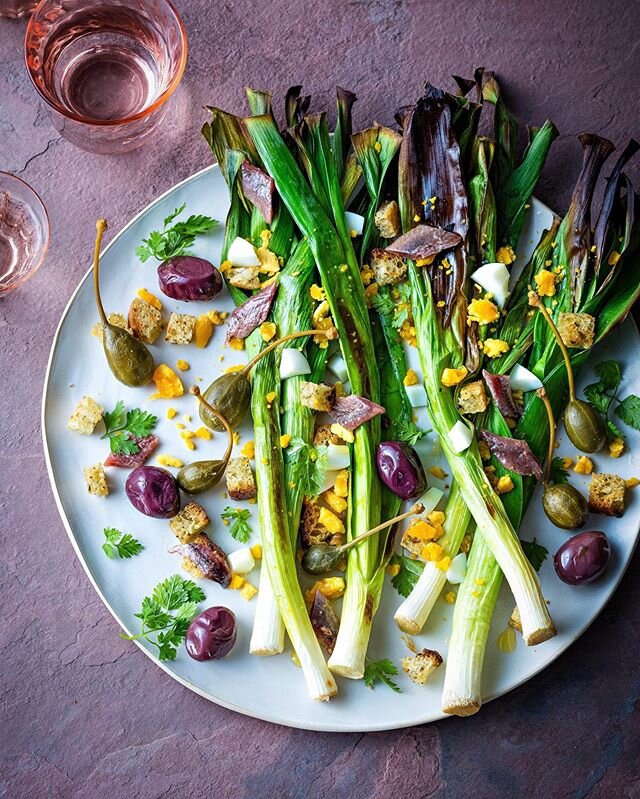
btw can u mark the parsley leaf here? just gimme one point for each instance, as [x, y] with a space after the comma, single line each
[558, 474]
[535, 553]
[407, 577]
[308, 465]
[381, 670]
[239, 527]
[172, 241]
[598, 398]
[408, 432]
[122, 545]
[629, 411]
[610, 375]
[122, 427]
[383, 304]
[613, 431]
[173, 594]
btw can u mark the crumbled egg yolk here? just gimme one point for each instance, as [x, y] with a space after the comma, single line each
[204, 433]
[613, 258]
[237, 367]
[317, 293]
[147, 296]
[270, 397]
[367, 274]
[236, 343]
[494, 347]
[483, 312]
[567, 463]
[422, 530]
[237, 581]
[183, 366]
[377, 147]
[336, 503]
[545, 283]
[330, 521]
[256, 551]
[505, 255]
[631, 482]
[217, 318]
[248, 591]
[504, 484]
[436, 471]
[285, 440]
[411, 378]
[616, 447]
[431, 551]
[451, 377]
[341, 487]
[444, 563]
[583, 465]
[450, 597]
[203, 331]
[483, 449]
[330, 587]
[167, 382]
[170, 460]
[171, 412]
[393, 569]
[267, 330]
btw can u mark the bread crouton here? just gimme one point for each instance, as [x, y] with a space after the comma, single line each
[577, 329]
[244, 277]
[115, 319]
[96, 480]
[387, 220]
[472, 398]
[388, 268]
[419, 667]
[145, 321]
[240, 480]
[324, 435]
[311, 531]
[85, 416]
[411, 543]
[317, 396]
[606, 494]
[191, 520]
[180, 328]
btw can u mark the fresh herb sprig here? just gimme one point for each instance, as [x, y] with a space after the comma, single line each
[604, 395]
[236, 518]
[119, 544]
[558, 474]
[308, 466]
[535, 553]
[174, 239]
[167, 613]
[381, 671]
[407, 577]
[122, 426]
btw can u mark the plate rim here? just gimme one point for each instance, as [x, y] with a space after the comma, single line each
[273, 718]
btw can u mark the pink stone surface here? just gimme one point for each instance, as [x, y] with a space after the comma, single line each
[84, 714]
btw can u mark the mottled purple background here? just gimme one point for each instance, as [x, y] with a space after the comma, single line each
[85, 715]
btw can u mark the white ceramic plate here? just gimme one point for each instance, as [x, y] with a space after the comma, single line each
[273, 688]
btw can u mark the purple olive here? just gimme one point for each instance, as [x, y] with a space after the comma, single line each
[153, 491]
[583, 558]
[400, 469]
[212, 634]
[187, 278]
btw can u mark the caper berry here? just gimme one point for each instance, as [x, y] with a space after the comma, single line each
[321, 558]
[565, 506]
[128, 358]
[584, 426]
[230, 395]
[200, 476]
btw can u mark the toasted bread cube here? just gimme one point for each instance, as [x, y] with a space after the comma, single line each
[191, 521]
[244, 277]
[606, 494]
[411, 542]
[472, 398]
[311, 530]
[240, 480]
[96, 480]
[387, 220]
[389, 269]
[577, 329]
[324, 435]
[419, 667]
[115, 319]
[145, 321]
[317, 396]
[180, 329]
[85, 416]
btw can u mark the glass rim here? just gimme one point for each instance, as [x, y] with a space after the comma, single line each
[47, 231]
[107, 123]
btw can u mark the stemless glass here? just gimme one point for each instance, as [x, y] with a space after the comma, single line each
[24, 232]
[106, 69]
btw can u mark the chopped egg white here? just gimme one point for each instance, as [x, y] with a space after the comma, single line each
[241, 561]
[242, 253]
[293, 363]
[457, 569]
[416, 395]
[354, 222]
[521, 379]
[460, 436]
[493, 278]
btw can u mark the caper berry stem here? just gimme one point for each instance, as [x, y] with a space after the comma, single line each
[101, 226]
[330, 333]
[198, 395]
[535, 300]
[542, 394]
[417, 508]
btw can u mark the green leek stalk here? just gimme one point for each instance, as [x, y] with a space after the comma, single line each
[485, 506]
[334, 257]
